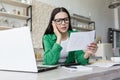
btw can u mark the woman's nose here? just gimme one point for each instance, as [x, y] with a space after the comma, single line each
[63, 22]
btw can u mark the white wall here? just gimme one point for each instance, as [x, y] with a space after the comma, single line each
[117, 17]
[100, 13]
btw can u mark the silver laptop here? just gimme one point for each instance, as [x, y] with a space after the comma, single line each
[16, 51]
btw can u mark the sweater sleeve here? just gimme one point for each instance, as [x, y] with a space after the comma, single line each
[51, 51]
[80, 57]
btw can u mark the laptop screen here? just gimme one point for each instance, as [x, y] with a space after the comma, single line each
[16, 50]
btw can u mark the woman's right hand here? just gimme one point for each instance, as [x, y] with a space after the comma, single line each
[57, 33]
[91, 50]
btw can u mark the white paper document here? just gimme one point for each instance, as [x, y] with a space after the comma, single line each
[105, 64]
[80, 40]
[78, 68]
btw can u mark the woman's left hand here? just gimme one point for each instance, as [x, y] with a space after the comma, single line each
[91, 50]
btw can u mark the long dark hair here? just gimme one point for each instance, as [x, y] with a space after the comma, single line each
[49, 29]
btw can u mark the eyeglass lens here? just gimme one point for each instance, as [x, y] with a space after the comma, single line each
[60, 21]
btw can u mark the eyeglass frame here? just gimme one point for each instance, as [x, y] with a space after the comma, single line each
[66, 20]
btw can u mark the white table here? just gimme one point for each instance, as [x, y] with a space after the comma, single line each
[61, 74]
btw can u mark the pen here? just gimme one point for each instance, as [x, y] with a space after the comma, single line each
[71, 67]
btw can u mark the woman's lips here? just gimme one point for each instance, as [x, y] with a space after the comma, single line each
[64, 28]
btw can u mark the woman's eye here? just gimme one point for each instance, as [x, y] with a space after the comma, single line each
[66, 19]
[58, 20]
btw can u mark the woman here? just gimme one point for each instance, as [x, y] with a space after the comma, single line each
[55, 41]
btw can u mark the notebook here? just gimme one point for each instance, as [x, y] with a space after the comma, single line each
[17, 53]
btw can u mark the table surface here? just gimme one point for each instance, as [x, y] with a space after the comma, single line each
[62, 74]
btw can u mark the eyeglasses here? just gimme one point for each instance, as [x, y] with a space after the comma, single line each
[60, 20]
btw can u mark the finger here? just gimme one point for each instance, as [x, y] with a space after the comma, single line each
[90, 53]
[93, 45]
[54, 26]
[92, 49]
